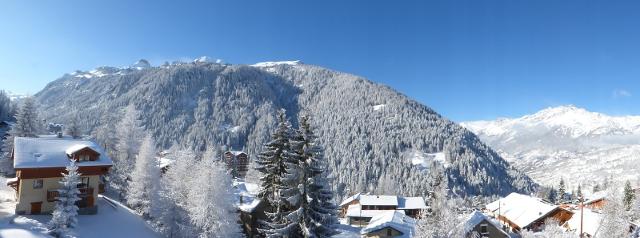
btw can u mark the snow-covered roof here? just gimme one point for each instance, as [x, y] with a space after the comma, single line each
[77, 147]
[591, 222]
[12, 180]
[236, 152]
[50, 152]
[164, 162]
[394, 219]
[379, 200]
[595, 197]
[475, 218]
[246, 193]
[350, 199]
[356, 211]
[521, 209]
[411, 203]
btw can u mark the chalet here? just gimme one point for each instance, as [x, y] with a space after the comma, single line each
[596, 200]
[237, 162]
[479, 225]
[389, 223]
[39, 164]
[360, 209]
[518, 211]
[251, 208]
[588, 221]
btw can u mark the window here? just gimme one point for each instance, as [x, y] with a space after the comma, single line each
[85, 157]
[483, 229]
[389, 232]
[84, 182]
[37, 183]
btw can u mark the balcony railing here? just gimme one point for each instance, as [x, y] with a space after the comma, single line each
[53, 194]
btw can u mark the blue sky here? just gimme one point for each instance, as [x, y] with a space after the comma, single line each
[468, 60]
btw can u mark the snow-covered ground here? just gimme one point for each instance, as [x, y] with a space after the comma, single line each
[112, 220]
[423, 160]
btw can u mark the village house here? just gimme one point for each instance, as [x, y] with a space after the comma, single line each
[389, 223]
[360, 209]
[250, 207]
[596, 200]
[518, 212]
[39, 164]
[483, 226]
[237, 162]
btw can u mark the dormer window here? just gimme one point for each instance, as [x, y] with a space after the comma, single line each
[82, 153]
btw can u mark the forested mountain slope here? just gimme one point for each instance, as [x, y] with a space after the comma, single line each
[370, 132]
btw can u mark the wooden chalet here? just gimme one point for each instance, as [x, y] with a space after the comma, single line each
[237, 162]
[518, 212]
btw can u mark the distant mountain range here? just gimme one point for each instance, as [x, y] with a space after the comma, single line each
[567, 142]
[375, 138]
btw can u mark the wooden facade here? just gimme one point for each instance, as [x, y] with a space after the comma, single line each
[486, 229]
[237, 162]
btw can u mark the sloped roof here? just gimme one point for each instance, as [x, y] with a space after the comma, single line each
[591, 222]
[51, 152]
[521, 209]
[411, 203]
[595, 197]
[356, 211]
[475, 218]
[350, 199]
[379, 200]
[236, 152]
[77, 147]
[394, 219]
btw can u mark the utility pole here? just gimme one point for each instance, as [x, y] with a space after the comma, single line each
[581, 214]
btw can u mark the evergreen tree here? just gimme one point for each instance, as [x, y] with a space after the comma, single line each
[441, 221]
[272, 163]
[144, 178]
[316, 211]
[629, 195]
[561, 192]
[27, 125]
[66, 211]
[615, 220]
[596, 188]
[552, 195]
[579, 192]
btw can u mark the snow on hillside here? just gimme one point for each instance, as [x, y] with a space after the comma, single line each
[379, 106]
[423, 160]
[275, 63]
[113, 220]
[566, 141]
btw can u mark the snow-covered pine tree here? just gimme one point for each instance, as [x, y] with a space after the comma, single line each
[561, 191]
[629, 195]
[128, 133]
[27, 125]
[5, 106]
[317, 212]
[66, 211]
[144, 178]
[210, 209]
[579, 192]
[271, 163]
[442, 221]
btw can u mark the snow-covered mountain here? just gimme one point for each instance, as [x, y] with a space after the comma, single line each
[375, 138]
[566, 141]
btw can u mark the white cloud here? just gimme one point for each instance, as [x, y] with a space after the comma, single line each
[621, 93]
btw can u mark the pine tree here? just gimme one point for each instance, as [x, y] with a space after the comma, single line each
[66, 211]
[144, 178]
[441, 221]
[579, 192]
[552, 195]
[128, 133]
[27, 125]
[596, 188]
[561, 192]
[315, 209]
[615, 221]
[272, 164]
[629, 195]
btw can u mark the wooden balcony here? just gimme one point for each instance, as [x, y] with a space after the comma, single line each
[86, 193]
